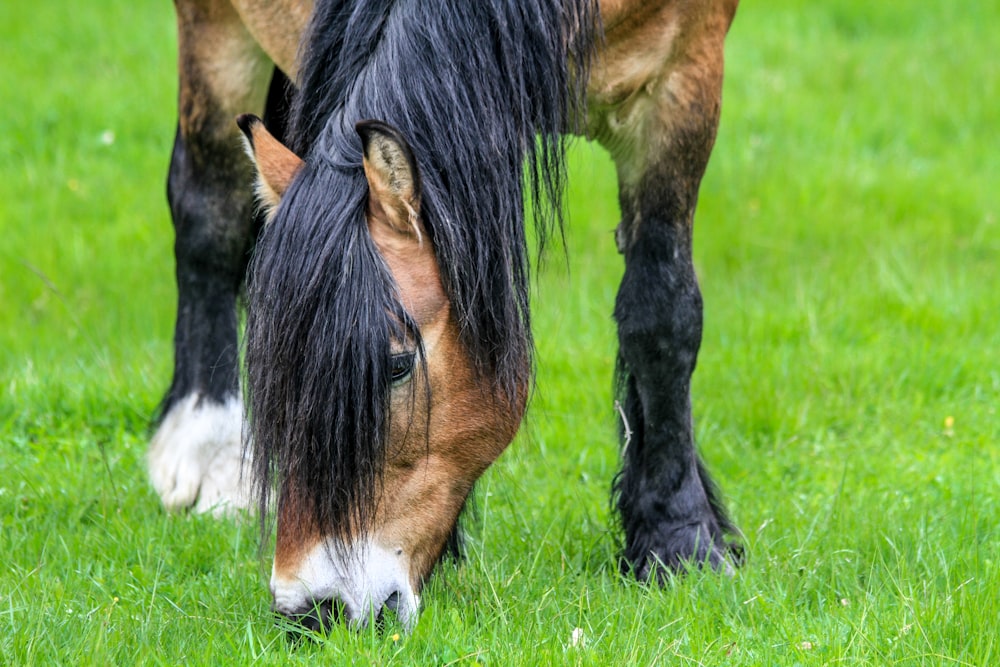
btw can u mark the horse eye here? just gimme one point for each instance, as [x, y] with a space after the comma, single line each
[402, 367]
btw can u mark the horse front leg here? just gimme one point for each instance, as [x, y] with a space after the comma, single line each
[669, 507]
[659, 117]
[196, 454]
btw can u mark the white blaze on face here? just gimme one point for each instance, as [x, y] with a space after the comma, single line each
[363, 579]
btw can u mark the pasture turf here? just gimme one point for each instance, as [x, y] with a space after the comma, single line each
[846, 396]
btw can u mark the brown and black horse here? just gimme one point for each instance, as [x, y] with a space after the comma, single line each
[388, 341]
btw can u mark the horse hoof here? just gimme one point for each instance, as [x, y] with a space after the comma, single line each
[196, 457]
[678, 550]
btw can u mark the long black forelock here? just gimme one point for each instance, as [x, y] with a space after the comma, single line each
[322, 313]
[482, 91]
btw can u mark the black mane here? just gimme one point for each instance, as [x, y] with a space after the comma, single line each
[482, 90]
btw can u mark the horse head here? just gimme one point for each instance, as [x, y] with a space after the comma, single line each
[368, 493]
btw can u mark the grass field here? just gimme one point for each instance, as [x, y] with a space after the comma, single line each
[846, 397]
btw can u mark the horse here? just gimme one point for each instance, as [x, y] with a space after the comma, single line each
[378, 235]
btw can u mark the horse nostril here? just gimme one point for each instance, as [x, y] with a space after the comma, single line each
[320, 618]
[392, 604]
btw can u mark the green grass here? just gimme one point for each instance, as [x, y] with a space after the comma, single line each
[846, 396]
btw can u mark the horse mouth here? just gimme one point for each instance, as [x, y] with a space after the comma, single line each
[325, 614]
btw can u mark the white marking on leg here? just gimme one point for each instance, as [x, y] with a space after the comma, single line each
[196, 457]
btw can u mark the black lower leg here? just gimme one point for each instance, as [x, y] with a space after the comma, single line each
[209, 193]
[670, 509]
[209, 190]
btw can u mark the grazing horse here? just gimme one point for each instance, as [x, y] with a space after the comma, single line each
[388, 339]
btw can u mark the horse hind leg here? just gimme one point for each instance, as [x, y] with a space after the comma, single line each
[196, 454]
[661, 133]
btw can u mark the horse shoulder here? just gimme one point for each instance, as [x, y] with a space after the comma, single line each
[278, 27]
[657, 61]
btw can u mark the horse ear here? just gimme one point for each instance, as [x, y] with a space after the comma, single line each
[276, 164]
[393, 179]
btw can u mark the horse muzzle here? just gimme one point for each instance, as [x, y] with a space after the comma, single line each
[355, 584]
